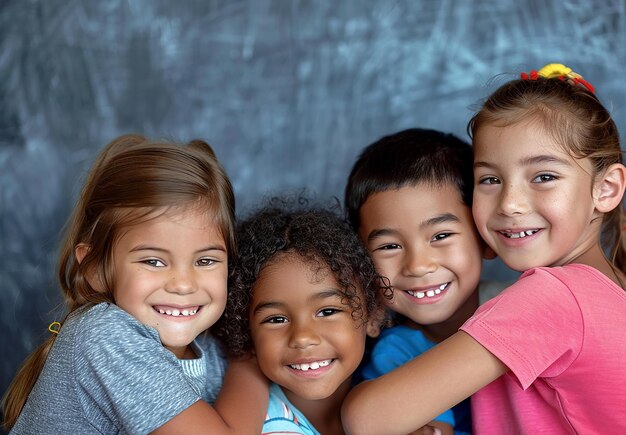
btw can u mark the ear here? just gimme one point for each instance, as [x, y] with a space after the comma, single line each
[92, 277]
[81, 251]
[608, 189]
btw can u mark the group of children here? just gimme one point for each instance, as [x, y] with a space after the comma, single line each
[152, 259]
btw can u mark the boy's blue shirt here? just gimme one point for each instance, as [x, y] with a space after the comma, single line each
[398, 345]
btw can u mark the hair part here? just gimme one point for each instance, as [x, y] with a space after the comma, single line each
[407, 158]
[132, 179]
[321, 239]
[577, 121]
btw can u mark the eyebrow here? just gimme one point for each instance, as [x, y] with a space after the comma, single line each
[529, 161]
[139, 248]
[324, 294]
[435, 220]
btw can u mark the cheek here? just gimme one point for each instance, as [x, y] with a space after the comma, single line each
[482, 205]
[218, 287]
[267, 351]
[478, 212]
[355, 341]
[389, 268]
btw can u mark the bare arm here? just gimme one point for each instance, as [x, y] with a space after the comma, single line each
[415, 393]
[240, 408]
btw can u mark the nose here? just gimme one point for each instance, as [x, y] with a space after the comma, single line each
[512, 200]
[419, 261]
[181, 282]
[303, 335]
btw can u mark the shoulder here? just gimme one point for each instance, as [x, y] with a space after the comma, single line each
[278, 406]
[105, 321]
[283, 417]
[489, 289]
[107, 316]
[105, 335]
[541, 284]
[404, 337]
[396, 346]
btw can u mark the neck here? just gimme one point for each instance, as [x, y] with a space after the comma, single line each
[323, 414]
[595, 258]
[438, 332]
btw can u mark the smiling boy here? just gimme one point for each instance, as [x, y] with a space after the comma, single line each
[409, 197]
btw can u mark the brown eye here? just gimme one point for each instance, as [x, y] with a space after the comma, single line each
[203, 262]
[544, 178]
[489, 180]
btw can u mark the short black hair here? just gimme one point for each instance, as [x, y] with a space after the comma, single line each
[321, 237]
[407, 158]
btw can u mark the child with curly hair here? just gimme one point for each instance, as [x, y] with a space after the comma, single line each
[303, 297]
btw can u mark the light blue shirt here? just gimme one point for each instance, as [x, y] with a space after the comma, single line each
[284, 418]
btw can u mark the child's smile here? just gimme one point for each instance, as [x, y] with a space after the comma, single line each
[532, 201]
[171, 275]
[428, 293]
[422, 238]
[176, 311]
[313, 368]
[304, 335]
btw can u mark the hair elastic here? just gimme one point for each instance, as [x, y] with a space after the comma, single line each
[558, 71]
[54, 327]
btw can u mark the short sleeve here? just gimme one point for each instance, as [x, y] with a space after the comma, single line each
[125, 372]
[534, 327]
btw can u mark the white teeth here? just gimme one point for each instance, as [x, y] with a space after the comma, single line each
[428, 293]
[313, 366]
[520, 234]
[175, 312]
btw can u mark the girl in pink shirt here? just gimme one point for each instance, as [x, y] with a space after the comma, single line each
[545, 356]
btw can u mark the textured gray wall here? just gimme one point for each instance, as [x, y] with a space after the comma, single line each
[288, 93]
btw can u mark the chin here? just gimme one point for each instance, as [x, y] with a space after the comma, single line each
[311, 394]
[521, 266]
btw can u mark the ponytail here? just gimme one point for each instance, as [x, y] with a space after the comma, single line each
[21, 386]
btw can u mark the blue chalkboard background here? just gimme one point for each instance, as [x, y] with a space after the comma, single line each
[287, 92]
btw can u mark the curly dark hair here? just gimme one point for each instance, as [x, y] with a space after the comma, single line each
[321, 238]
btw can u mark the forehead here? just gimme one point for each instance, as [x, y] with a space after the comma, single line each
[154, 223]
[413, 209]
[291, 278]
[528, 136]
[286, 265]
[420, 197]
[523, 145]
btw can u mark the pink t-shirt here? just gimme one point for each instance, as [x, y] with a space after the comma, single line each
[562, 333]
